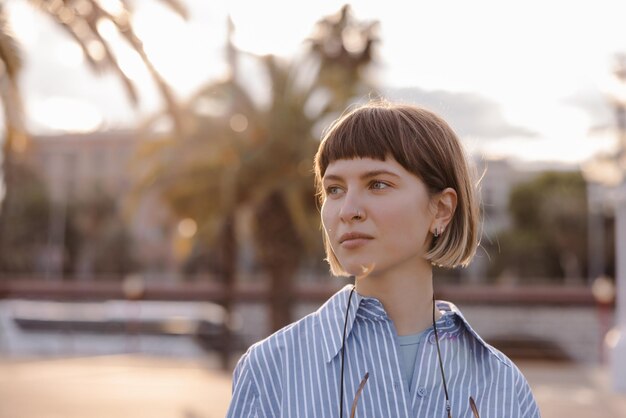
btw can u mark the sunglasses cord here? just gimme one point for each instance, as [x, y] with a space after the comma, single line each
[443, 375]
[343, 352]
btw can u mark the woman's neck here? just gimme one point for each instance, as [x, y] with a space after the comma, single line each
[407, 298]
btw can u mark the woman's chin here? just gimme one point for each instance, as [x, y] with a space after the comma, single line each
[359, 269]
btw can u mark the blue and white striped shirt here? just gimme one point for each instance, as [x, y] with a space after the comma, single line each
[295, 372]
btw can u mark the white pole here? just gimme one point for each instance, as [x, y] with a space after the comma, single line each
[618, 343]
[595, 230]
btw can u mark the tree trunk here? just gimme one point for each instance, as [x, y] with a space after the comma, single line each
[279, 249]
[228, 272]
[281, 296]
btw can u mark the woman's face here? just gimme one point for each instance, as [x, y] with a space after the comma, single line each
[377, 215]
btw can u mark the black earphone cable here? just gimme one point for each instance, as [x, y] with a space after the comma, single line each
[343, 353]
[443, 375]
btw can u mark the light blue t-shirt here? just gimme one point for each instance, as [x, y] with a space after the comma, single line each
[408, 345]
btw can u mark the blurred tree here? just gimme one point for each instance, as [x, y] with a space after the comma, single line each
[549, 236]
[245, 153]
[97, 242]
[10, 68]
[14, 167]
[24, 229]
[80, 20]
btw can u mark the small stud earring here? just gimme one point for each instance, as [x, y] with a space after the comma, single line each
[436, 233]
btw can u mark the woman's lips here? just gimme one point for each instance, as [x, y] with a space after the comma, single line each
[353, 240]
[351, 244]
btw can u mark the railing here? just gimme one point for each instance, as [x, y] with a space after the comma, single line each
[259, 292]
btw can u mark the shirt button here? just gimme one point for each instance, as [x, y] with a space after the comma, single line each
[431, 338]
[421, 392]
[449, 322]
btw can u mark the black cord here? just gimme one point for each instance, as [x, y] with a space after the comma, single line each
[443, 375]
[343, 352]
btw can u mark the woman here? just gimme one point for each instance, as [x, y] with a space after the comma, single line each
[397, 198]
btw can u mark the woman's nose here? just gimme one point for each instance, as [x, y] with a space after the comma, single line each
[351, 210]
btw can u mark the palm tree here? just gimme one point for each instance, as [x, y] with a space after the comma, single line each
[248, 154]
[342, 47]
[79, 19]
[16, 139]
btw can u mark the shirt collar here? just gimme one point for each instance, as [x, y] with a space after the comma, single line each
[450, 308]
[332, 315]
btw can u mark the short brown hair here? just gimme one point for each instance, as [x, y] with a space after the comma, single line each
[425, 145]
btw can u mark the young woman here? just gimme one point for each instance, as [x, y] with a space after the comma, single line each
[397, 198]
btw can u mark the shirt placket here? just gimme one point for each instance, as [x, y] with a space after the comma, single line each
[397, 390]
[427, 381]
[426, 372]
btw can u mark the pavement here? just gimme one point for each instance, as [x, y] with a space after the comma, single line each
[140, 386]
[573, 390]
[119, 386]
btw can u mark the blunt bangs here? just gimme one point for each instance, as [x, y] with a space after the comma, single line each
[354, 136]
[379, 130]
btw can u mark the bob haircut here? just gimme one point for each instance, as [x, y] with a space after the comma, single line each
[425, 145]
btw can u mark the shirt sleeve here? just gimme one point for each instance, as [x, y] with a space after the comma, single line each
[527, 405]
[244, 403]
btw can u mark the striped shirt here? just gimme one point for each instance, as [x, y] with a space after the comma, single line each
[295, 372]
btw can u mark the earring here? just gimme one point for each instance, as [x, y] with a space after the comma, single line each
[436, 233]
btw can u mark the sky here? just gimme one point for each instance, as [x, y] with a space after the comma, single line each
[526, 80]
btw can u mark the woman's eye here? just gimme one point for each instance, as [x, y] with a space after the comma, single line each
[331, 190]
[378, 185]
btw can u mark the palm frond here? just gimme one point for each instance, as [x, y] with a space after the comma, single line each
[167, 94]
[16, 137]
[80, 20]
[9, 48]
[109, 58]
[178, 7]
[78, 24]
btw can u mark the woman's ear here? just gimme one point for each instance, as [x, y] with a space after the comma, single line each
[444, 207]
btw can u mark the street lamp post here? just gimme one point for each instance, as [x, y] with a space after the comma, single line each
[617, 342]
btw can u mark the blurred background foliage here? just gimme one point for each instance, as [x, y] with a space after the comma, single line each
[548, 239]
[228, 160]
[242, 155]
[25, 206]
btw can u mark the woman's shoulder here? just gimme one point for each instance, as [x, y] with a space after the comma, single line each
[285, 337]
[454, 323]
[310, 330]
